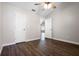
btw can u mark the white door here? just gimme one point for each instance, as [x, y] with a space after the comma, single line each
[48, 28]
[20, 32]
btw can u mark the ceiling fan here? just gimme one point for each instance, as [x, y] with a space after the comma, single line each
[47, 5]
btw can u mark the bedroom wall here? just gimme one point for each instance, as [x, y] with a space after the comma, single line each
[0, 27]
[27, 26]
[66, 22]
[10, 15]
[8, 24]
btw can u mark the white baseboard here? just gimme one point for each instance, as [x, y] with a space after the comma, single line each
[18, 42]
[8, 44]
[64, 40]
[15, 43]
[32, 39]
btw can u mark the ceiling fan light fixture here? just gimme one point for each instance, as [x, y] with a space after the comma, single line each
[49, 5]
[45, 6]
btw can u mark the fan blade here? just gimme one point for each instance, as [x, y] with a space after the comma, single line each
[33, 10]
[53, 5]
[37, 4]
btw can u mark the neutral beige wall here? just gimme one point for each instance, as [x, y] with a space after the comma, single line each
[28, 21]
[66, 22]
[0, 27]
[10, 15]
[8, 24]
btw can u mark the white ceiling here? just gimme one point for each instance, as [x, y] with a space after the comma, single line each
[24, 5]
[28, 6]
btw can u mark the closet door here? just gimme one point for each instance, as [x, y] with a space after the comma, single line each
[20, 31]
[48, 28]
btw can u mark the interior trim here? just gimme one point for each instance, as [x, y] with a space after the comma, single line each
[8, 44]
[68, 41]
[15, 43]
[18, 42]
[32, 39]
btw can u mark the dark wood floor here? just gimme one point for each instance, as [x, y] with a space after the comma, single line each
[49, 47]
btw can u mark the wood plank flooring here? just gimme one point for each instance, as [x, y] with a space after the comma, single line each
[48, 47]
